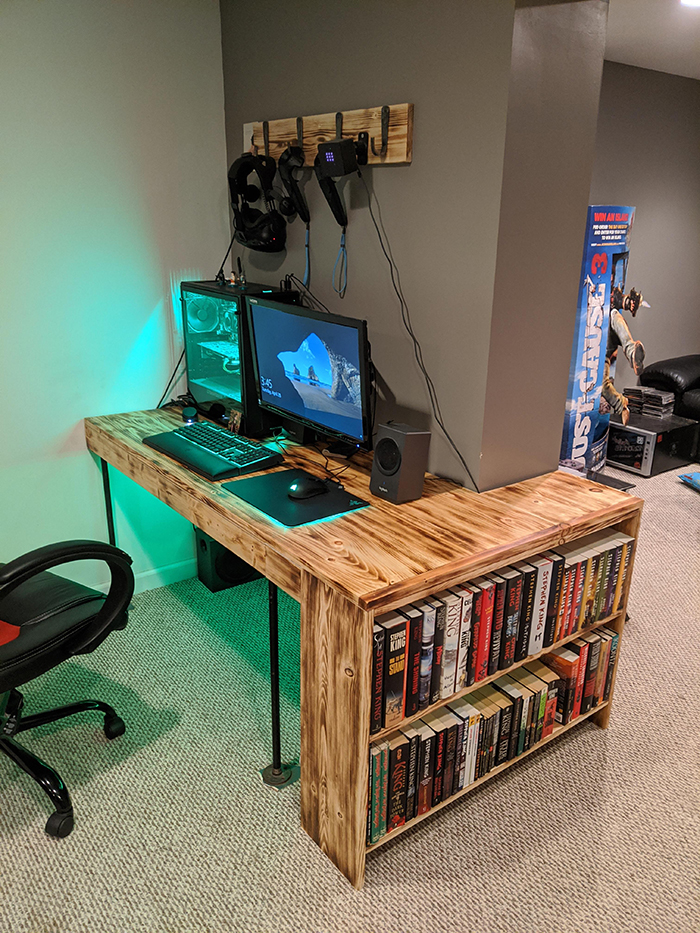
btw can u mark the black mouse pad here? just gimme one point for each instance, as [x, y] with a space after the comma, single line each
[268, 493]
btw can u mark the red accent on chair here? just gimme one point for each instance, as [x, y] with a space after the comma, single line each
[8, 632]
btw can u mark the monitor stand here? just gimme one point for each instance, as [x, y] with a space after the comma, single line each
[268, 494]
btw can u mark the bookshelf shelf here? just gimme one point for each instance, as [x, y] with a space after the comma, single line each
[609, 620]
[558, 730]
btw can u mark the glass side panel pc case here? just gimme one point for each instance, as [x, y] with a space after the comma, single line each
[217, 349]
[312, 369]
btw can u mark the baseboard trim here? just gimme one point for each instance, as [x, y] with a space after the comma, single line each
[164, 576]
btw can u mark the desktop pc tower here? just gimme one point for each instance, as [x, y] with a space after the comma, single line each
[218, 349]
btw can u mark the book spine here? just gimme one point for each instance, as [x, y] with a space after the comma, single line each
[513, 597]
[450, 757]
[439, 773]
[412, 785]
[612, 580]
[515, 727]
[427, 768]
[426, 657]
[602, 586]
[450, 650]
[377, 718]
[550, 711]
[539, 726]
[477, 604]
[539, 616]
[375, 804]
[462, 746]
[415, 633]
[398, 774]
[557, 577]
[611, 665]
[575, 607]
[493, 739]
[504, 734]
[395, 675]
[497, 626]
[524, 719]
[563, 601]
[482, 659]
[602, 670]
[384, 789]
[465, 639]
[527, 607]
[436, 676]
[474, 733]
[625, 565]
[591, 671]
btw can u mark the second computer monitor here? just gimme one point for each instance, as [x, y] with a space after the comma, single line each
[313, 368]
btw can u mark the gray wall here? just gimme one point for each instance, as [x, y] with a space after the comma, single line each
[113, 188]
[451, 58]
[648, 156]
[556, 71]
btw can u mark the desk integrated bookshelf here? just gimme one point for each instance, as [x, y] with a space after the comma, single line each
[347, 571]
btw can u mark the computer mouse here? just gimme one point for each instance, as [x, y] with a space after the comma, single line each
[305, 487]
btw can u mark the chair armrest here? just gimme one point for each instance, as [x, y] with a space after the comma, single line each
[121, 587]
[676, 375]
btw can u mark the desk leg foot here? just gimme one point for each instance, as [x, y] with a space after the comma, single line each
[280, 777]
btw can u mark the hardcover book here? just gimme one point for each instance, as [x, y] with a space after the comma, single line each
[477, 601]
[439, 641]
[426, 767]
[472, 720]
[539, 616]
[488, 589]
[527, 606]
[511, 615]
[620, 590]
[566, 664]
[413, 735]
[413, 657]
[511, 689]
[398, 781]
[615, 638]
[594, 643]
[439, 727]
[499, 606]
[555, 587]
[426, 653]
[599, 686]
[465, 635]
[453, 616]
[453, 724]
[554, 685]
[581, 648]
[395, 625]
[541, 691]
[377, 709]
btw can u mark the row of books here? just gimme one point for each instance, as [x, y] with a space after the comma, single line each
[422, 764]
[647, 401]
[426, 652]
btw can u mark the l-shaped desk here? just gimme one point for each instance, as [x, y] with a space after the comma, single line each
[345, 570]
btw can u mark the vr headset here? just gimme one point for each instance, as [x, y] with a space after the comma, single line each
[262, 230]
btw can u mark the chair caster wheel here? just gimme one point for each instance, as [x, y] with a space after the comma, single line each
[60, 825]
[114, 727]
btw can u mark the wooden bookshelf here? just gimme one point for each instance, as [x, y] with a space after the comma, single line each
[558, 730]
[346, 571]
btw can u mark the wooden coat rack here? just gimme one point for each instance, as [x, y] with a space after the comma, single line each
[390, 131]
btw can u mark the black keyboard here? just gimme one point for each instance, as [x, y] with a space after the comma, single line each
[214, 452]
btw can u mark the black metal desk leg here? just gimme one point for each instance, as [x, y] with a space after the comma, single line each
[108, 502]
[275, 774]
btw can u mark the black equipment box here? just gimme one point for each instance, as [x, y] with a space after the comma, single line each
[648, 445]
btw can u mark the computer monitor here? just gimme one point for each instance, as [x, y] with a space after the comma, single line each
[313, 368]
[218, 356]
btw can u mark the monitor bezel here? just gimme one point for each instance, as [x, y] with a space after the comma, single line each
[365, 370]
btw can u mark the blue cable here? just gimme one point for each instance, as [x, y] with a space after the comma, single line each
[342, 277]
[307, 270]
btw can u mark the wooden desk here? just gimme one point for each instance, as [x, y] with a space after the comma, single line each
[344, 571]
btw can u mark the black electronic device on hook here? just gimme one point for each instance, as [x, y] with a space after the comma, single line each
[340, 156]
[265, 231]
[292, 158]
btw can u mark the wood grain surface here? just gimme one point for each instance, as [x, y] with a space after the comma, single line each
[380, 557]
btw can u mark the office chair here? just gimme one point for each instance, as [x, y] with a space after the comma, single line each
[45, 619]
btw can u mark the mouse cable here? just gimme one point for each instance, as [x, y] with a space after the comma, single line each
[406, 319]
[172, 379]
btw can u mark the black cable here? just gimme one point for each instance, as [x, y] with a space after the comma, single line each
[220, 274]
[172, 378]
[308, 291]
[406, 319]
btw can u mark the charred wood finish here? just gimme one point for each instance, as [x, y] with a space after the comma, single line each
[346, 571]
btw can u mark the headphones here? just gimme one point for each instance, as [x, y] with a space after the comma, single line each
[266, 230]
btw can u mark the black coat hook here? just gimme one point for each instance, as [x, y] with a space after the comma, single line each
[386, 113]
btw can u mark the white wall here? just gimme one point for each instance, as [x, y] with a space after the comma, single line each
[113, 189]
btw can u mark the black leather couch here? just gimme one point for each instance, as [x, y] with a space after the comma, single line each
[680, 375]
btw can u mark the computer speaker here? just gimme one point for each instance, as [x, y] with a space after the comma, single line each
[218, 568]
[400, 462]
